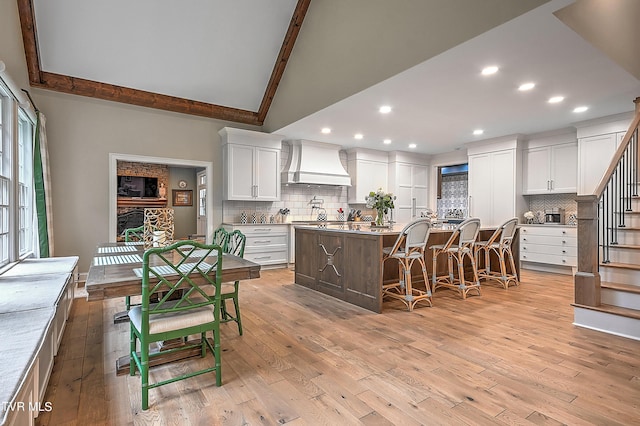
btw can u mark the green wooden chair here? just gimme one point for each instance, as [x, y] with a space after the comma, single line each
[183, 273]
[235, 245]
[132, 235]
[220, 237]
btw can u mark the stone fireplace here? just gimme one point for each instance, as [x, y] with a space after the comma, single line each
[130, 213]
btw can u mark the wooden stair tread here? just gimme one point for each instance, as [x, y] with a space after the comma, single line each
[629, 288]
[625, 228]
[611, 309]
[622, 265]
[624, 246]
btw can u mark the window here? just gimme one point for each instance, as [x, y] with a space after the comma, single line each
[25, 183]
[16, 178]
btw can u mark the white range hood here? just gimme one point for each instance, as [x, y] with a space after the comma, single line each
[315, 163]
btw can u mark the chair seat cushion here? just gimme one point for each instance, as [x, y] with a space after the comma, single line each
[437, 247]
[161, 323]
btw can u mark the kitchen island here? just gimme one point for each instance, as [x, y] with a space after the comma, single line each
[345, 260]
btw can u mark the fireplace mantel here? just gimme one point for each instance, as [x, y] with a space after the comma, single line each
[141, 202]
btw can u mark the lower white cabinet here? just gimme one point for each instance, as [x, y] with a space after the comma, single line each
[267, 244]
[549, 244]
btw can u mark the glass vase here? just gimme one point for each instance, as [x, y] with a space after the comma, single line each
[380, 217]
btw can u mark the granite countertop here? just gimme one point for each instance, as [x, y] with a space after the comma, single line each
[547, 225]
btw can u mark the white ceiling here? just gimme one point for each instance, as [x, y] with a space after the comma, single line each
[438, 104]
[216, 51]
[223, 53]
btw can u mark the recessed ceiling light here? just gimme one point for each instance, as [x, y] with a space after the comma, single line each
[326, 130]
[387, 141]
[358, 136]
[556, 99]
[526, 86]
[385, 109]
[478, 132]
[490, 70]
[580, 109]
[412, 145]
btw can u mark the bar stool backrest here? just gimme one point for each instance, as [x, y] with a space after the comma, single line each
[508, 231]
[413, 237]
[468, 232]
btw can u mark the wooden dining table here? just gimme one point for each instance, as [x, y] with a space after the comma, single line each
[112, 274]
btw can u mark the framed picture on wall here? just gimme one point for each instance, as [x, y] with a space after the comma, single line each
[182, 197]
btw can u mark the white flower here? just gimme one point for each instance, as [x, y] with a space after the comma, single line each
[529, 215]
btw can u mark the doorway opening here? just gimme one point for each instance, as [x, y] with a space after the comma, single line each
[174, 162]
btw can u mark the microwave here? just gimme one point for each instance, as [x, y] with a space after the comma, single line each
[554, 217]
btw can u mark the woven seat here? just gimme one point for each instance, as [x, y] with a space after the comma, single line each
[408, 248]
[500, 244]
[465, 234]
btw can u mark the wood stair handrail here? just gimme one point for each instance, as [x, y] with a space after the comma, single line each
[620, 151]
[587, 289]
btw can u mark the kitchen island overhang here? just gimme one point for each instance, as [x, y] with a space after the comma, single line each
[345, 260]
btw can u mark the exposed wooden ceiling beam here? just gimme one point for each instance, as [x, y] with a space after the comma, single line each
[111, 92]
[285, 51]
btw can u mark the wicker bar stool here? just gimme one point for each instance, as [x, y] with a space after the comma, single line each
[466, 234]
[408, 248]
[500, 244]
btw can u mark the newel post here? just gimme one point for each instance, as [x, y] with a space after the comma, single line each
[587, 279]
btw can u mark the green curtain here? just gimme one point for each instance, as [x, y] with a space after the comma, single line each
[39, 184]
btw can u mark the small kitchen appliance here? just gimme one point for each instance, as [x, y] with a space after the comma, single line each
[554, 216]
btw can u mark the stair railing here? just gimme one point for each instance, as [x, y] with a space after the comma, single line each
[602, 214]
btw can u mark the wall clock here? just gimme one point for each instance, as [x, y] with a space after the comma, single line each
[182, 184]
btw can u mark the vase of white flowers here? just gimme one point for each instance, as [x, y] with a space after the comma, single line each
[529, 216]
[382, 202]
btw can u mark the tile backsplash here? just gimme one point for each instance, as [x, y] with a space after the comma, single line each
[551, 201]
[454, 194]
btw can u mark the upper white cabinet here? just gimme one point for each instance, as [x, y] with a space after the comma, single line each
[408, 180]
[251, 165]
[494, 182]
[368, 171]
[550, 169]
[597, 143]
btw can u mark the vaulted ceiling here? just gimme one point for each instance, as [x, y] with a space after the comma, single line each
[212, 58]
[225, 59]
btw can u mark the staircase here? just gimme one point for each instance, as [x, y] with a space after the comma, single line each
[607, 284]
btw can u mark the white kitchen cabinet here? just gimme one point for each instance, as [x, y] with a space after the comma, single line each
[550, 169]
[266, 244]
[409, 183]
[598, 141]
[251, 165]
[548, 245]
[494, 191]
[368, 171]
[595, 154]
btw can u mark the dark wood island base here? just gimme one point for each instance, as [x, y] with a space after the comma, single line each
[345, 260]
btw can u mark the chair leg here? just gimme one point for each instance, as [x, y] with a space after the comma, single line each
[513, 266]
[132, 350]
[236, 305]
[127, 302]
[434, 258]
[408, 291]
[216, 355]
[144, 373]
[462, 284]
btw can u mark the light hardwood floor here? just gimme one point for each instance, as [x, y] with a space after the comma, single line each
[507, 357]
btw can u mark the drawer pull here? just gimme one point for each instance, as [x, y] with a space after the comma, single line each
[524, 239]
[262, 257]
[262, 241]
[564, 251]
[263, 229]
[564, 242]
[564, 261]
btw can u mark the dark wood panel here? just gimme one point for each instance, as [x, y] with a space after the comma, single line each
[362, 279]
[330, 259]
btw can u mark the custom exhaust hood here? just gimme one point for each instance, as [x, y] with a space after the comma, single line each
[314, 163]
